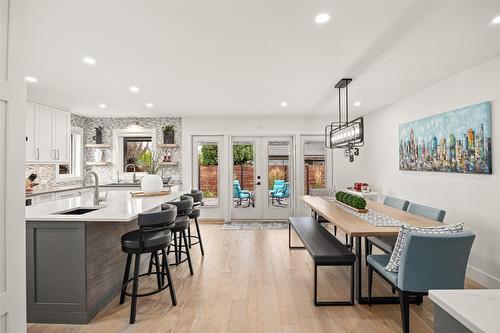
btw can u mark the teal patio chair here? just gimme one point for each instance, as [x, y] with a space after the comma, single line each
[428, 261]
[241, 195]
[278, 185]
[280, 194]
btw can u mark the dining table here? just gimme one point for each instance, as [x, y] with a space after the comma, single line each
[352, 223]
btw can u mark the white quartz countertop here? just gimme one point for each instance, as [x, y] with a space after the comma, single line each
[40, 189]
[119, 206]
[476, 309]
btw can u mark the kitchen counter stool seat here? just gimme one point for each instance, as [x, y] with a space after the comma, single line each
[195, 214]
[152, 236]
[180, 244]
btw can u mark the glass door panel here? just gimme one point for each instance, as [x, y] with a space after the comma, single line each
[245, 180]
[315, 164]
[208, 164]
[278, 166]
[278, 175]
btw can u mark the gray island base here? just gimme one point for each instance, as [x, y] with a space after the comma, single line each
[75, 263]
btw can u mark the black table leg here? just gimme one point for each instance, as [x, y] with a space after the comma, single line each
[358, 282]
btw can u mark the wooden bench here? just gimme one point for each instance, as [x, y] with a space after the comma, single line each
[325, 250]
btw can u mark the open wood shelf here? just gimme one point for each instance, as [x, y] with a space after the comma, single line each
[98, 163]
[97, 145]
[168, 145]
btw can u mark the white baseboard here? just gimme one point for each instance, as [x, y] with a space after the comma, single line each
[483, 278]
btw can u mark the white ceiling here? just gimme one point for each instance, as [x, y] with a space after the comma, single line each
[245, 58]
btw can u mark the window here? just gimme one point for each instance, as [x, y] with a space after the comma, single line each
[133, 147]
[73, 169]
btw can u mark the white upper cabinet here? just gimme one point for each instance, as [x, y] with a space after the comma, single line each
[47, 133]
[61, 132]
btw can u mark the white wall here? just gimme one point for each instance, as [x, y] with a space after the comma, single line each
[472, 199]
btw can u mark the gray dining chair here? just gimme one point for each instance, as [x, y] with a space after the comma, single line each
[425, 211]
[386, 243]
[428, 261]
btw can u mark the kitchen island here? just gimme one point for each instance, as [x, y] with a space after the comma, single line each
[74, 259]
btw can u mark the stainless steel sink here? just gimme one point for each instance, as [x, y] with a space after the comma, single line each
[78, 211]
[121, 185]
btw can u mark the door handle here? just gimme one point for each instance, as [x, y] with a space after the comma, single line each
[57, 154]
[38, 153]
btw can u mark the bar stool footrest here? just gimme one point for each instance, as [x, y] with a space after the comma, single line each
[165, 286]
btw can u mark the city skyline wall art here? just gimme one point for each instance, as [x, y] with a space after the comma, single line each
[457, 141]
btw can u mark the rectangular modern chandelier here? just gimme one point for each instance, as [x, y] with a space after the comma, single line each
[348, 134]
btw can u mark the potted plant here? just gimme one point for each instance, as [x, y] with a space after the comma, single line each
[98, 135]
[168, 134]
[150, 161]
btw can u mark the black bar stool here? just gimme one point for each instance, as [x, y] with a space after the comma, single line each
[198, 202]
[152, 236]
[184, 208]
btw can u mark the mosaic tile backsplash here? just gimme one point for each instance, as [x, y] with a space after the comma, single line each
[47, 172]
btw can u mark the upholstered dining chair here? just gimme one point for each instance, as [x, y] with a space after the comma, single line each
[426, 211]
[386, 243]
[428, 261]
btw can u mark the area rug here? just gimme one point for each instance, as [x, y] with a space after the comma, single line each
[255, 225]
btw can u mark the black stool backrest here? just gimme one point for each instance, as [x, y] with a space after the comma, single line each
[154, 222]
[184, 205]
[197, 197]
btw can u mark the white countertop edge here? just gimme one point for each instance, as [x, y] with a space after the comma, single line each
[437, 297]
[120, 206]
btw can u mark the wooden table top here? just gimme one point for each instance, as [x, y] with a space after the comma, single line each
[356, 227]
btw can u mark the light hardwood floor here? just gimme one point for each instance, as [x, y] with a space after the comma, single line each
[249, 281]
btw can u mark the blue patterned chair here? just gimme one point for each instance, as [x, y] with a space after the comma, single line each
[386, 243]
[428, 261]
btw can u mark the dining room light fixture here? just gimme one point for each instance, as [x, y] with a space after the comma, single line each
[134, 89]
[284, 104]
[345, 134]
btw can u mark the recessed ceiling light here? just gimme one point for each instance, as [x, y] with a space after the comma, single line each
[322, 18]
[496, 20]
[89, 61]
[103, 106]
[284, 104]
[134, 89]
[358, 103]
[149, 105]
[31, 79]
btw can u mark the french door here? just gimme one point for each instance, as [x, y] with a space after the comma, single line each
[262, 177]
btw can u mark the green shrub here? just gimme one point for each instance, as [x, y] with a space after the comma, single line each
[358, 202]
[341, 196]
